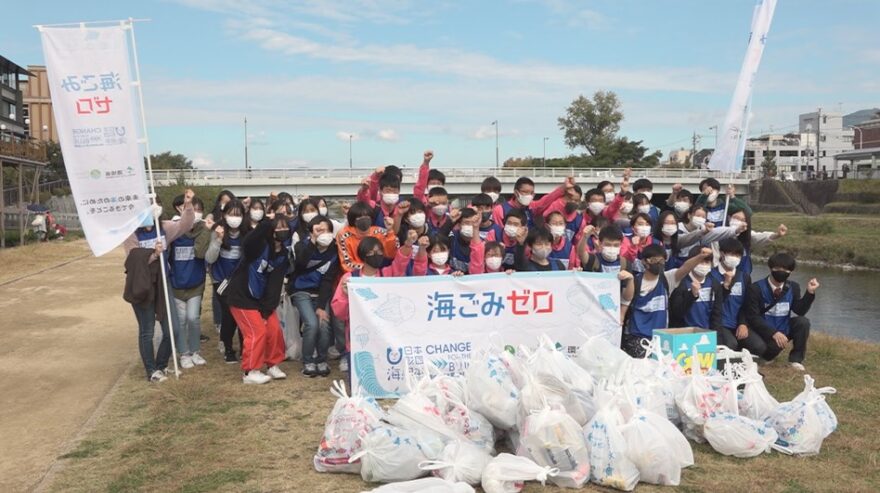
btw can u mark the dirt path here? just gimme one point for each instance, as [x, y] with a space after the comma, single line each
[68, 335]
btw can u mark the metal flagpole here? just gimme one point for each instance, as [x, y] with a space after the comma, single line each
[726, 206]
[129, 24]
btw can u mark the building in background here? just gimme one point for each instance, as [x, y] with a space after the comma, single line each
[866, 134]
[792, 153]
[679, 157]
[833, 138]
[12, 117]
[38, 105]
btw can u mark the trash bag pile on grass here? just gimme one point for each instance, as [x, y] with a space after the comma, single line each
[599, 416]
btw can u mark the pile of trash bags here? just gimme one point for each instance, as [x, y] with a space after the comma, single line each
[599, 416]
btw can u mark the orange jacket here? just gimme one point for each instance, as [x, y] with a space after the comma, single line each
[348, 241]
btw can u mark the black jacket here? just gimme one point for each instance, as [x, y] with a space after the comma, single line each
[238, 292]
[682, 299]
[303, 252]
[755, 309]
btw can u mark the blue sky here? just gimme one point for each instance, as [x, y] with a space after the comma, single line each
[405, 76]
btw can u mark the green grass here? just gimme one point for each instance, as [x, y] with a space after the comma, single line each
[831, 238]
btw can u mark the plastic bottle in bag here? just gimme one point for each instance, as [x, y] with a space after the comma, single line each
[553, 439]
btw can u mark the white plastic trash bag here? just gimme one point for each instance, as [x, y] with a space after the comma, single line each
[553, 439]
[508, 473]
[648, 449]
[288, 316]
[491, 391]
[350, 417]
[600, 358]
[609, 464]
[461, 461]
[676, 442]
[739, 436]
[805, 422]
[755, 401]
[548, 360]
[545, 390]
[700, 399]
[389, 454]
[424, 485]
[420, 416]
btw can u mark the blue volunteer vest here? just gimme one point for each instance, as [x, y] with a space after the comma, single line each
[260, 269]
[649, 312]
[227, 261]
[573, 227]
[506, 207]
[606, 266]
[734, 301]
[319, 263]
[147, 239]
[745, 264]
[187, 271]
[715, 214]
[459, 256]
[700, 313]
[484, 232]
[779, 315]
[563, 254]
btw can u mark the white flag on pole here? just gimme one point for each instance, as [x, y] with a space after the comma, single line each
[728, 155]
[93, 101]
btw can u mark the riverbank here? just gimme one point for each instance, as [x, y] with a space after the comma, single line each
[838, 240]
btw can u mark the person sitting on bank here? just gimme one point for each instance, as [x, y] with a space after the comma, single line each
[777, 310]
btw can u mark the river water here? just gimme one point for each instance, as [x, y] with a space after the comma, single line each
[846, 303]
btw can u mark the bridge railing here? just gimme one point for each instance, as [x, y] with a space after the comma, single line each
[171, 175]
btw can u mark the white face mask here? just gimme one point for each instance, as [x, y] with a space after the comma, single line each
[596, 207]
[308, 216]
[325, 239]
[609, 197]
[712, 197]
[650, 195]
[256, 215]
[669, 229]
[416, 220]
[322, 211]
[702, 269]
[493, 263]
[525, 200]
[731, 261]
[626, 208]
[494, 196]
[233, 221]
[643, 231]
[698, 222]
[390, 198]
[541, 253]
[467, 230]
[511, 230]
[645, 209]
[557, 231]
[610, 253]
[736, 224]
[439, 209]
[198, 216]
[682, 207]
[439, 258]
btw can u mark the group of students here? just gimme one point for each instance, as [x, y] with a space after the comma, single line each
[687, 263]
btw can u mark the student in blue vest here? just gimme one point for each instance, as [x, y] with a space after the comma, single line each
[187, 258]
[562, 248]
[411, 217]
[649, 308]
[777, 311]
[716, 204]
[315, 274]
[698, 299]
[534, 249]
[156, 361]
[523, 198]
[606, 256]
[299, 227]
[439, 223]
[465, 234]
[680, 201]
[491, 186]
[734, 331]
[254, 293]
[645, 187]
[514, 221]
[223, 256]
[484, 204]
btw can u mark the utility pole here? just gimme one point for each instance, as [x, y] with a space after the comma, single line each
[818, 134]
[495, 123]
[694, 150]
[245, 144]
[350, 161]
[544, 159]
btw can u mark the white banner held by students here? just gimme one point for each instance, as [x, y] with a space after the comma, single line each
[403, 322]
[95, 113]
[728, 155]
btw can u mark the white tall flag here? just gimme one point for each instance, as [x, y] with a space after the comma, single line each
[93, 100]
[728, 155]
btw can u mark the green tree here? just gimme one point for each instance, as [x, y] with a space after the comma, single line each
[166, 160]
[592, 124]
[55, 170]
[768, 166]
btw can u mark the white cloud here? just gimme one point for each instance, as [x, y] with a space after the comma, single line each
[202, 161]
[484, 132]
[345, 136]
[388, 135]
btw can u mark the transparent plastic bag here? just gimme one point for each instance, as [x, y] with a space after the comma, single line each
[805, 422]
[508, 473]
[351, 416]
[647, 447]
[491, 391]
[755, 401]
[545, 390]
[421, 417]
[553, 439]
[700, 398]
[609, 464]
[424, 485]
[389, 454]
[600, 358]
[461, 461]
[548, 360]
[739, 436]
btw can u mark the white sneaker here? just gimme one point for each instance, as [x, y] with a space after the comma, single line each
[255, 377]
[343, 364]
[158, 376]
[186, 362]
[276, 373]
[198, 360]
[797, 366]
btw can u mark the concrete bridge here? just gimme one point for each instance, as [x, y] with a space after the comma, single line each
[344, 182]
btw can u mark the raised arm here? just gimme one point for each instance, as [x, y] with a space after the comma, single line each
[421, 185]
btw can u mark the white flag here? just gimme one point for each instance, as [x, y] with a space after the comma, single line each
[728, 155]
[93, 101]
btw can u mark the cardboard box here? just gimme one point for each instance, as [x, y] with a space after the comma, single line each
[680, 343]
